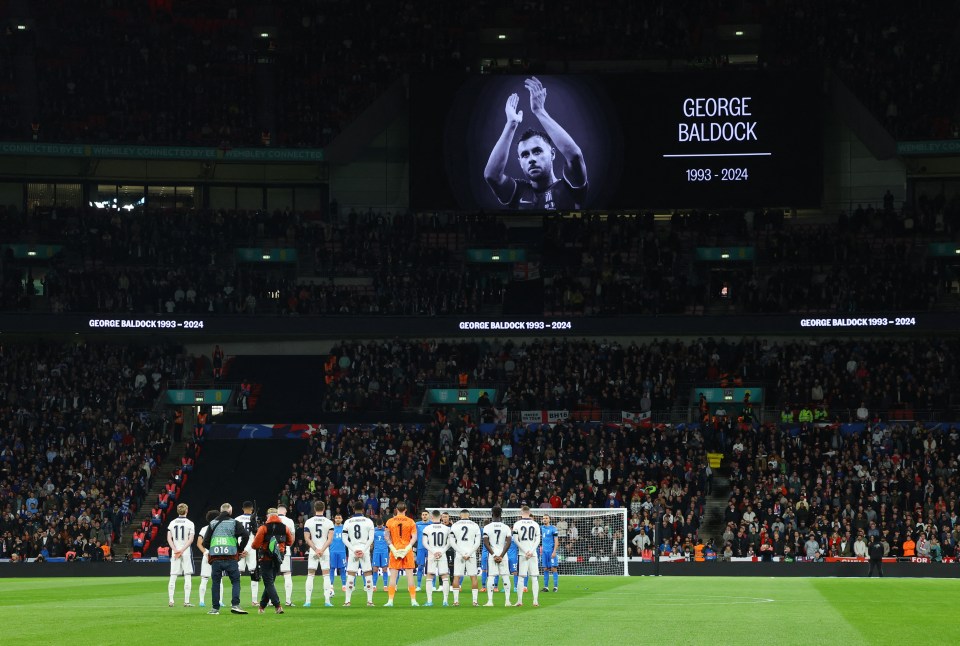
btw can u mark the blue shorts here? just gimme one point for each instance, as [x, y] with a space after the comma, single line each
[514, 561]
[338, 561]
[421, 556]
[380, 559]
[546, 560]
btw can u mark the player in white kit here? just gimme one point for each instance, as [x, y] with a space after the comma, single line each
[497, 537]
[180, 535]
[318, 534]
[206, 570]
[526, 534]
[248, 562]
[436, 538]
[358, 539]
[465, 539]
[286, 565]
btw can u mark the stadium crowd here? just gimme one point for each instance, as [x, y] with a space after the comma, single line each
[256, 75]
[78, 446]
[838, 376]
[519, 465]
[180, 262]
[878, 374]
[382, 465]
[825, 493]
[896, 59]
[865, 262]
[383, 263]
[539, 374]
[660, 477]
[849, 381]
[788, 480]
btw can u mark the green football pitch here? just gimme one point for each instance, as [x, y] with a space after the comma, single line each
[587, 610]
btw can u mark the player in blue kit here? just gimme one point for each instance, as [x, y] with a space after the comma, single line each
[422, 524]
[513, 558]
[381, 551]
[483, 568]
[548, 552]
[338, 553]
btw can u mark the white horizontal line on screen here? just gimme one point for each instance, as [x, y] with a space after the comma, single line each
[720, 155]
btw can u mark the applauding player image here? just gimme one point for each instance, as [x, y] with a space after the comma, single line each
[539, 188]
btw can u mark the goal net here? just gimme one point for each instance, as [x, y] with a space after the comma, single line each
[589, 541]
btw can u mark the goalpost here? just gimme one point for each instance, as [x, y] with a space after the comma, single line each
[589, 541]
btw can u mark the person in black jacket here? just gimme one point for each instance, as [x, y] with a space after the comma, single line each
[875, 553]
[225, 542]
[269, 566]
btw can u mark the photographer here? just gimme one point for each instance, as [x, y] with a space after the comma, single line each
[225, 542]
[269, 562]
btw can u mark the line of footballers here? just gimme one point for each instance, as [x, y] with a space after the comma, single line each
[433, 548]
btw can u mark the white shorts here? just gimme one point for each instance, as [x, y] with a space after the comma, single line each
[437, 566]
[465, 568]
[529, 566]
[286, 563]
[361, 564]
[182, 565]
[248, 563]
[321, 563]
[206, 570]
[498, 569]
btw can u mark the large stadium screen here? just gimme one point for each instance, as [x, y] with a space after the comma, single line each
[572, 142]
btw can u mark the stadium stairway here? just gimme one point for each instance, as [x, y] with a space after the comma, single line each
[237, 470]
[161, 474]
[290, 387]
[432, 492]
[712, 525]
